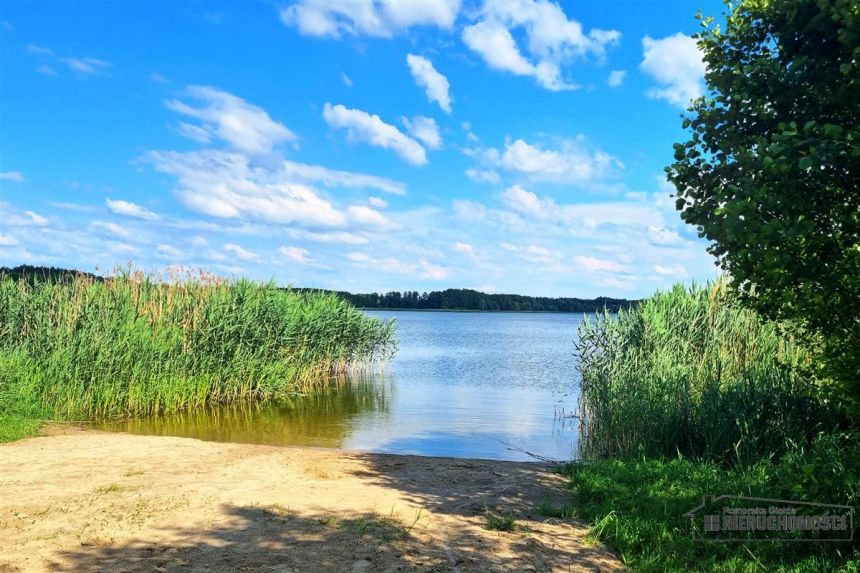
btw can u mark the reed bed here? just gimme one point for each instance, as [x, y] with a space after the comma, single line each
[136, 345]
[690, 372]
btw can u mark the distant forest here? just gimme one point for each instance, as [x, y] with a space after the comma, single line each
[466, 299]
[32, 273]
[449, 299]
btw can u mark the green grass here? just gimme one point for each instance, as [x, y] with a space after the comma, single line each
[136, 345]
[385, 529]
[500, 522]
[110, 488]
[636, 507]
[547, 509]
[17, 427]
[20, 416]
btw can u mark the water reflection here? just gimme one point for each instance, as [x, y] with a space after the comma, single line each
[463, 384]
[322, 418]
[509, 423]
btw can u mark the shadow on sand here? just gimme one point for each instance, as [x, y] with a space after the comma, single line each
[447, 533]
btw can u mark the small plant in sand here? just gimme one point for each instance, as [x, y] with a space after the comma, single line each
[548, 509]
[501, 522]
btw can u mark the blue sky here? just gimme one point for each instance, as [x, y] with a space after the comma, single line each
[363, 145]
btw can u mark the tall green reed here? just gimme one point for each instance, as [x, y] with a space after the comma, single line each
[135, 344]
[689, 371]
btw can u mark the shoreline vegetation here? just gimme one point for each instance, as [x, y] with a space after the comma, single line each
[751, 386]
[692, 394]
[76, 347]
[465, 300]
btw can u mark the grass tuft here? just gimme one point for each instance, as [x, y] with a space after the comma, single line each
[386, 529]
[501, 522]
[547, 509]
[111, 488]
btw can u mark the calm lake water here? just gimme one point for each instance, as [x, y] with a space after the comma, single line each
[478, 385]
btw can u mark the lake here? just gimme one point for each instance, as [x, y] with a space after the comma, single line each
[475, 385]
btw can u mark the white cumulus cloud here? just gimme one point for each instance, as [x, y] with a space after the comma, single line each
[368, 17]
[242, 125]
[337, 178]
[582, 218]
[364, 215]
[425, 130]
[550, 40]
[570, 162]
[195, 132]
[295, 254]
[377, 202]
[226, 185]
[616, 78]
[36, 219]
[663, 236]
[675, 62]
[362, 126]
[435, 84]
[592, 264]
[464, 248]
[240, 252]
[168, 251]
[432, 272]
[483, 175]
[130, 209]
[111, 228]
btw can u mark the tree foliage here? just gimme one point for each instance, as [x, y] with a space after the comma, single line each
[771, 172]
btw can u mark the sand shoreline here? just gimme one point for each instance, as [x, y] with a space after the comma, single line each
[87, 500]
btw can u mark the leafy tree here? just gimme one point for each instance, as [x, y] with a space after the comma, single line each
[771, 172]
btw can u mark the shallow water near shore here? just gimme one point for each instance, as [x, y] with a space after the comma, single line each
[471, 385]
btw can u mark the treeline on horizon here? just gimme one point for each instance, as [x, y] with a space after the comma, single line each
[468, 299]
[448, 299]
[32, 273]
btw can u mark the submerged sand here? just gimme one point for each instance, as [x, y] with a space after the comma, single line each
[84, 500]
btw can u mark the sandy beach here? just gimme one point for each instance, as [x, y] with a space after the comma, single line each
[83, 500]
